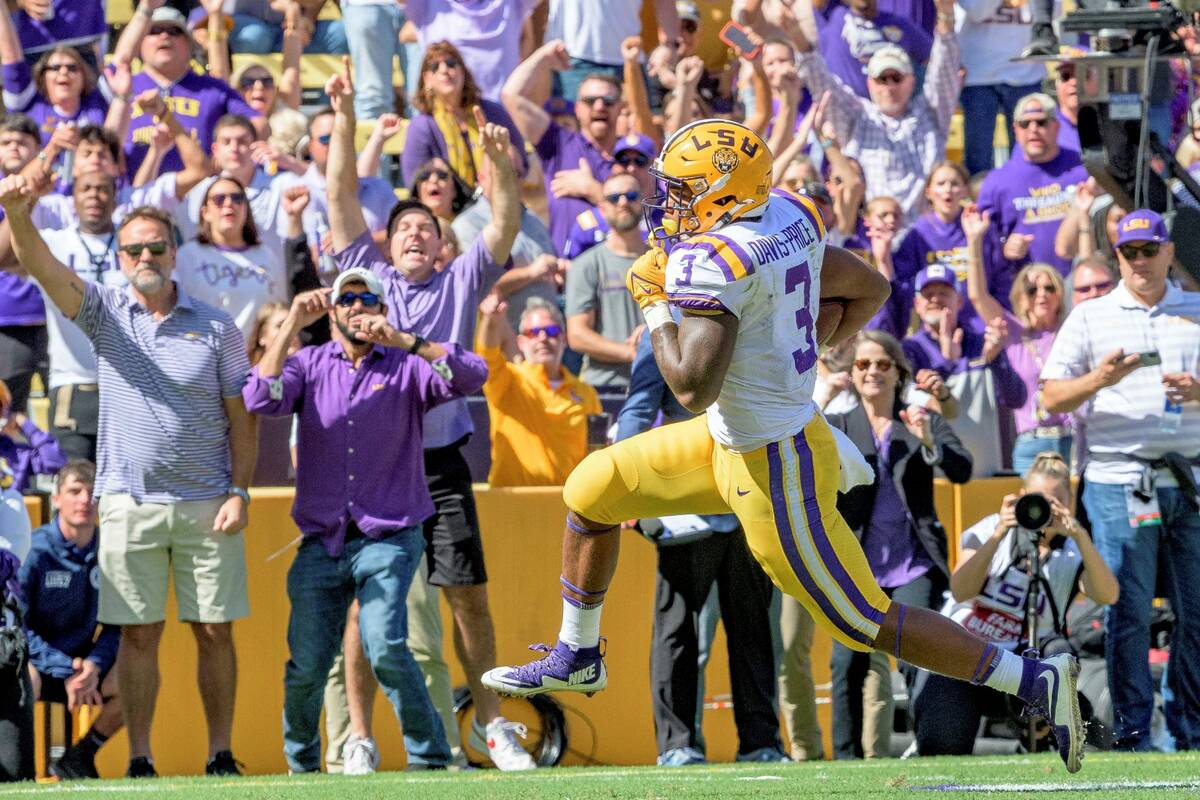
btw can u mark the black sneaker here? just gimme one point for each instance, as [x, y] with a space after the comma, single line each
[223, 763]
[141, 767]
[1043, 42]
[75, 765]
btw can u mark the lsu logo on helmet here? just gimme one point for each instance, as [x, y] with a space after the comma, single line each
[715, 171]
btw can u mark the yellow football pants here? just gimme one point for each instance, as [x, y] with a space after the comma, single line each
[784, 495]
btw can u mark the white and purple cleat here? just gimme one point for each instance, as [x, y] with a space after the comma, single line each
[1054, 694]
[562, 669]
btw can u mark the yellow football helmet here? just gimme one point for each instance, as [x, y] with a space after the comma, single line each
[714, 171]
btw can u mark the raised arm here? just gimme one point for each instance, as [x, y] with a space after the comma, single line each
[217, 46]
[844, 105]
[975, 226]
[847, 277]
[688, 73]
[346, 221]
[501, 230]
[760, 115]
[788, 95]
[386, 126]
[64, 287]
[634, 88]
[135, 30]
[161, 143]
[799, 141]
[11, 51]
[942, 81]
[120, 81]
[196, 166]
[520, 95]
[293, 47]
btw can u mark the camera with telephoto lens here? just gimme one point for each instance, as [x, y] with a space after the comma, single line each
[1033, 512]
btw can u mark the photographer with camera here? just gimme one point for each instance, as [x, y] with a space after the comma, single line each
[990, 591]
[1129, 362]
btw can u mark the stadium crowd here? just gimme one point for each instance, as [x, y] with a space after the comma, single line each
[193, 239]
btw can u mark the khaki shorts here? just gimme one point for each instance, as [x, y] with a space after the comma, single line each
[142, 543]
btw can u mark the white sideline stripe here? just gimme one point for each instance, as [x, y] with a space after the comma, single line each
[1106, 786]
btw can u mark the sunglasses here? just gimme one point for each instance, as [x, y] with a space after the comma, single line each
[551, 331]
[156, 248]
[1037, 122]
[221, 198]
[450, 61]
[864, 364]
[71, 67]
[368, 299]
[608, 100]
[324, 139]
[633, 195]
[1132, 251]
[169, 30]
[889, 78]
[1031, 291]
[435, 174]
[249, 82]
[633, 160]
[1095, 288]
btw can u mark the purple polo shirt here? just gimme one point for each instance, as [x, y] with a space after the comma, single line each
[442, 309]
[923, 352]
[198, 101]
[1030, 199]
[20, 94]
[358, 451]
[75, 23]
[425, 141]
[889, 543]
[847, 41]
[560, 148]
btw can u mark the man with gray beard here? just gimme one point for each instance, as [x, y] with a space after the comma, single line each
[603, 321]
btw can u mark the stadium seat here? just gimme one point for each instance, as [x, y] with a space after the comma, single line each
[56, 729]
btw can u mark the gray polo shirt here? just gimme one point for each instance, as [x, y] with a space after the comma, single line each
[164, 433]
[596, 282]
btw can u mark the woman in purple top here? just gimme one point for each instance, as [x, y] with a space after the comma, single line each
[893, 517]
[1038, 312]
[25, 449]
[445, 127]
[60, 88]
[440, 189]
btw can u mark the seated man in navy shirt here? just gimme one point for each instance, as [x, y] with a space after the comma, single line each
[60, 580]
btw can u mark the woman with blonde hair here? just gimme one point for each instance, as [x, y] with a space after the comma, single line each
[445, 126]
[1038, 302]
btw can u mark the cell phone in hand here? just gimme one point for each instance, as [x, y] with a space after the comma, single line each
[1149, 359]
[738, 38]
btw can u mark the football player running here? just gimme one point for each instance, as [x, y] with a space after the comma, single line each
[748, 269]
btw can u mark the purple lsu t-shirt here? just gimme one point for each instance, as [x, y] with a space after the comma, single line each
[933, 241]
[1032, 199]
[848, 41]
[197, 101]
[74, 22]
[20, 94]
[441, 309]
[560, 148]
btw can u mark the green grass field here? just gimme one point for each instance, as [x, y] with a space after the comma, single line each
[1104, 775]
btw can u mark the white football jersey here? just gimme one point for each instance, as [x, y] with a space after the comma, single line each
[766, 271]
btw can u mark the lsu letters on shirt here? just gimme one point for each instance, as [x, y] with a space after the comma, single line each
[766, 271]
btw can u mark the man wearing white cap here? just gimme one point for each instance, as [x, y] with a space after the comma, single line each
[896, 136]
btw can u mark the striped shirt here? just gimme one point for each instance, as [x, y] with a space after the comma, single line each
[896, 153]
[1127, 417]
[164, 433]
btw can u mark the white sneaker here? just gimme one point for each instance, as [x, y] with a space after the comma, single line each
[506, 752]
[359, 756]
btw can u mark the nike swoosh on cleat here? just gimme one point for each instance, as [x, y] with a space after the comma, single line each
[740, 493]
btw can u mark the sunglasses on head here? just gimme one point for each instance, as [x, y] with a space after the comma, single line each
[1038, 122]
[156, 248]
[1049, 288]
[249, 82]
[633, 160]
[368, 299]
[169, 30]
[551, 331]
[450, 61]
[70, 66]
[1095, 288]
[633, 195]
[608, 100]
[221, 198]
[864, 364]
[890, 78]
[1132, 251]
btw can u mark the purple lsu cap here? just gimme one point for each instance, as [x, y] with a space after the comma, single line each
[936, 273]
[637, 142]
[1141, 226]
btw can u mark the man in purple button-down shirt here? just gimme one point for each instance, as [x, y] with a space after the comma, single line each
[360, 498]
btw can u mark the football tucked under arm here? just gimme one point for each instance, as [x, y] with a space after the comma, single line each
[829, 317]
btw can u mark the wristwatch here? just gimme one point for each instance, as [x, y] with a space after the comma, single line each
[418, 343]
[239, 492]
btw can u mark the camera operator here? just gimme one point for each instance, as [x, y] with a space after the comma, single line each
[990, 587]
[1129, 362]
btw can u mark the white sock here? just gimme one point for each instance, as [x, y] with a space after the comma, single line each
[1006, 677]
[580, 626]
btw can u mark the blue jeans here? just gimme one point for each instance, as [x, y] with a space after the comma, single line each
[321, 588]
[1135, 556]
[980, 105]
[1027, 446]
[373, 34]
[251, 35]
